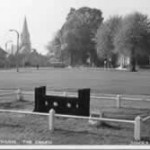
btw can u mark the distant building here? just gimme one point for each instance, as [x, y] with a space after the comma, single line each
[25, 44]
[142, 61]
[3, 56]
[2, 53]
[123, 61]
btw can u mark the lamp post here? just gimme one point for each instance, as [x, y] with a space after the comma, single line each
[17, 63]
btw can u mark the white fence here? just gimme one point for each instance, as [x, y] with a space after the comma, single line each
[51, 120]
[118, 98]
[137, 122]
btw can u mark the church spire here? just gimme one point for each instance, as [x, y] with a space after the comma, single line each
[25, 27]
[25, 38]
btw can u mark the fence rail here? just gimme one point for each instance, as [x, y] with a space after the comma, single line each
[69, 94]
[7, 94]
[66, 116]
[146, 118]
[95, 118]
[116, 98]
[23, 112]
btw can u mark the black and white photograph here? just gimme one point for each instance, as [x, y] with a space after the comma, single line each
[75, 74]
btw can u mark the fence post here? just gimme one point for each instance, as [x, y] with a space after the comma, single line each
[19, 94]
[118, 101]
[65, 94]
[137, 128]
[51, 119]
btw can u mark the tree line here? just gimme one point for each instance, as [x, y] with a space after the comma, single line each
[32, 59]
[87, 39]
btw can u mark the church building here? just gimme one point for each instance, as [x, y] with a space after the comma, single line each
[25, 44]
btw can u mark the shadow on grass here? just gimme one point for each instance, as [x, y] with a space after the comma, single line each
[106, 125]
[103, 125]
[10, 125]
[15, 104]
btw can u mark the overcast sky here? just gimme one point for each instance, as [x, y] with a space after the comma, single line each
[45, 17]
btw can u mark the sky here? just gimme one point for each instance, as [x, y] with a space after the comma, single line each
[45, 17]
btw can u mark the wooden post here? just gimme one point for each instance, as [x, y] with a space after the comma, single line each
[39, 98]
[84, 102]
[118, 101]
[137, 128]
[19, 94]
[51, 119]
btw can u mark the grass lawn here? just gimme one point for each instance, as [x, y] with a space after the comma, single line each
[111, 82]
[33, 129]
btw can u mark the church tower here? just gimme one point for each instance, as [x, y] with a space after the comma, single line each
[25, 44]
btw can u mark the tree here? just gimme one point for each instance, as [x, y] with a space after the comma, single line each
[133, 38]
[105, 37]
[54, 46]
[78, 33]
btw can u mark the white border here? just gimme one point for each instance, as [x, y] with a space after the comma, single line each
[42, 147]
